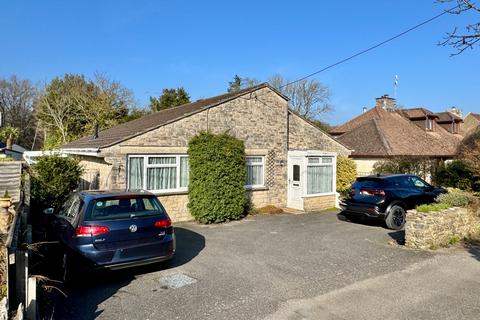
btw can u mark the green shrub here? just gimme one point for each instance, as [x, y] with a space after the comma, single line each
[409, 165]
[434, 207]
[53, 178]
[456, 174]
[346, 173]
[456, 198]
[218, 173]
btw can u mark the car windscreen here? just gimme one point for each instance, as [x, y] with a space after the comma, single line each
[117, 208]
[368, 183]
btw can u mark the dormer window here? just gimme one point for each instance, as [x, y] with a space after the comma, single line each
[429, 124]
[454, 127]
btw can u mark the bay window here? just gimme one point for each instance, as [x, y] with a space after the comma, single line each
[320, 175]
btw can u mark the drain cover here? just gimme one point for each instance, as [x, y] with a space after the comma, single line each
[175, 281]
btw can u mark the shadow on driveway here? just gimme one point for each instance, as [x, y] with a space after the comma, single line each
[83, 298]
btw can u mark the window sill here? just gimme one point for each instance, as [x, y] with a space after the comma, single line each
[319, 195]
[259, 188]
[170, 193]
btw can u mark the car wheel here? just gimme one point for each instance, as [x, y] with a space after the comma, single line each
[396, 218]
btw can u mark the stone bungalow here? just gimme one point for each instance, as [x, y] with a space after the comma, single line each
[290, 162]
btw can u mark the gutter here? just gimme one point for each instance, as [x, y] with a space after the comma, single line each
[92, 152]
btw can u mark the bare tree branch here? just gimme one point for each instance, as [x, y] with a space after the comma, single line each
[469, 38]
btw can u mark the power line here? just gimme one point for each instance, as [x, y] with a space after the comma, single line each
[372, 47]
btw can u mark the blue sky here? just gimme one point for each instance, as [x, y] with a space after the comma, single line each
[150, 45]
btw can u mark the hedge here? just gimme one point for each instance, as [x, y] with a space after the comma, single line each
[216, 189]
[53, 179]
[346, 173]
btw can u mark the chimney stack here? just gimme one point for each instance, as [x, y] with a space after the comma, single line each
[386, 103]
[456, 111]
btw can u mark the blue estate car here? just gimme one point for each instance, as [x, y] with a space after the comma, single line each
[112, 230]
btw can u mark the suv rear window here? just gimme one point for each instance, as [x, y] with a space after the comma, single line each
[368, 183]
[124, 208]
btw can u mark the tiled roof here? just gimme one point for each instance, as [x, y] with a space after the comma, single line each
[375, 112]
[447, 117]
[391, 134]
[417, 113]
[152, 121]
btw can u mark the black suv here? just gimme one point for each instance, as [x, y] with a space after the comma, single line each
[387, 197]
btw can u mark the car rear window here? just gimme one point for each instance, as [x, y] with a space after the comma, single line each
[117, 208]
[370, 183]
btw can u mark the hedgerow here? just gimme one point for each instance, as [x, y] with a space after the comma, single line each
[216, 189]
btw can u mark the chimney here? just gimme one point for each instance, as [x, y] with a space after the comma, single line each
[364, 109]
[456, 111]
[386, 103]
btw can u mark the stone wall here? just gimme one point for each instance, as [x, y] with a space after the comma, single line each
[305, 136]
[431, 230]
[318, 203]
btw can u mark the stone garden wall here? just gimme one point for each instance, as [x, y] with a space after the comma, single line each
[431, 230]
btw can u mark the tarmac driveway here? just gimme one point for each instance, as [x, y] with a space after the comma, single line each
[311, 266]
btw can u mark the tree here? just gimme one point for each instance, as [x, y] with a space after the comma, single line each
[17, 100]
[235, 85]
[470, 151]
[72, 106]
[309, 98]
[9, 135]
[239, 83]
[169, 98]
[470, 36]
[53, 179]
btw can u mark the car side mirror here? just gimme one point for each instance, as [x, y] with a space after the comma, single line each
[48, 211]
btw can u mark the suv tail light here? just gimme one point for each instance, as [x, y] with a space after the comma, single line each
[379, 193]
[164, 223]
[88, 231]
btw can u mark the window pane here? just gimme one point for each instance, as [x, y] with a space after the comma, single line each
[135, 173]
[254, 175]
[296, 172]
[319, 179]
[313, 160]
[184, 171]
[254, 160]
[162, 160]
[161, 178]
[327, 160]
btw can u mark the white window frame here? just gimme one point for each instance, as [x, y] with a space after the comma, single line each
[146, 166]
[256, 186]
[333, 164]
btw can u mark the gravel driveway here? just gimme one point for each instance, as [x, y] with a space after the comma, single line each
[310, 266]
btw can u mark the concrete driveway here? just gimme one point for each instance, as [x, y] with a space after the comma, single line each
[311, 266]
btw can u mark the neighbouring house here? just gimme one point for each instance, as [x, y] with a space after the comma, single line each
[15, 152]
[290, 162]
[471, 123]
[386, 131]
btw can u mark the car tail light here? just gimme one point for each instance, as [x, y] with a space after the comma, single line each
[379, 193]
[88, 231]
[164, 223]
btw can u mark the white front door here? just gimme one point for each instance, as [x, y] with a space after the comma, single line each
[295, 183]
